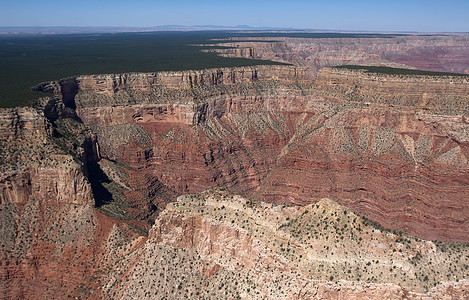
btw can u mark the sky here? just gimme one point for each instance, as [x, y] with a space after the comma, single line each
[358, 15]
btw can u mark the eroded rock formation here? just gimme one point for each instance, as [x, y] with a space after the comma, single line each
[85, 173]
[392, 147]
[54, 243]
[444, 53]
[224, 246]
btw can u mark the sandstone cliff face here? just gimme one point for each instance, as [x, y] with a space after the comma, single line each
[51, 236]
[21, 122]
[384, 145]
[109, 152]
[35, 168]
[188, 97]
[228, 247]
[64, 184]
[433, 53]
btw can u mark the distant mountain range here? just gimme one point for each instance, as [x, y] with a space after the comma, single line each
[15, 30]
[111, 29]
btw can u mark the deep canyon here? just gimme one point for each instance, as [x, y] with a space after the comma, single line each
[285, 181]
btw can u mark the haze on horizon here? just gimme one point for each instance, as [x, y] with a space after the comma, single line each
[399, 15]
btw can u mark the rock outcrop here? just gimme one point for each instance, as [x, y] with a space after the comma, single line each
[32, 167]
[85, 173]
[225, 246]
[444, 53]
[52, 239]
[384, 145]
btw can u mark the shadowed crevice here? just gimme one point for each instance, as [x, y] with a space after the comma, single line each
[69, 89]
[97, 179]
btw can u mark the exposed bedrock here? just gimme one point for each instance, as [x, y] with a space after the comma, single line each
[53, 242]
[33, 167]
[109, 151]
[394, 148]
[63, 185]
[446, 53]
[226, 246]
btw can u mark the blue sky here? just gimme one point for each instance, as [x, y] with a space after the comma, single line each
[389, 15]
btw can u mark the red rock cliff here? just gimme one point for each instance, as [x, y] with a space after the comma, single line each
[445, 53]
[385, 145]
[392, 148]
[52, 239]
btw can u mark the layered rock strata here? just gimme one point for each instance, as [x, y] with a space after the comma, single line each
[85, 170]
[225, 246]
[52, 239]
[394, 148]
[444, 53]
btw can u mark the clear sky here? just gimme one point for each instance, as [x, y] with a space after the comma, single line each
[374, 15]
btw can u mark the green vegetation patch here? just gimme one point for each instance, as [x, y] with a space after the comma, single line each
[315, 35]
[25, 61]
[397, 71]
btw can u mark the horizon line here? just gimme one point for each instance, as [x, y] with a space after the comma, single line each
[27, 29]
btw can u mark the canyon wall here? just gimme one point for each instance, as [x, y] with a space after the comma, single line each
[392, 147]
[52, 237]
[442, 95]
[32, 167]
[444, 53]
[87, 171]
[224, 246]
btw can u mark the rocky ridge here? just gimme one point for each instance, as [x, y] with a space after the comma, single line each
[444, 53]
[53, 239]
[85, 172]
[380, 144]
[228, 247]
